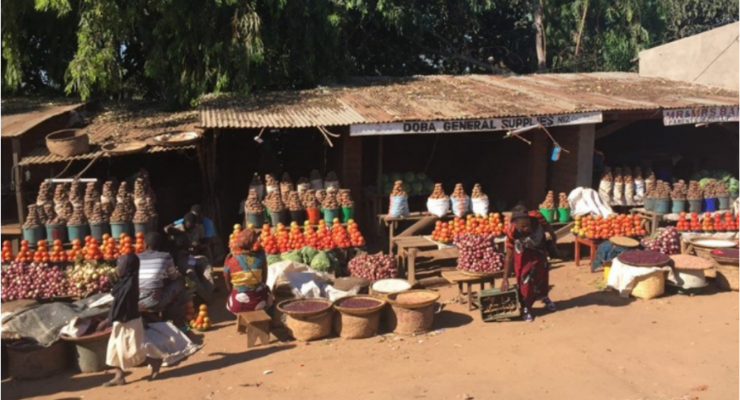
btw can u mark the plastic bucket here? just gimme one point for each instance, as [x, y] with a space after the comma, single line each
[256, 219]
[98, 229]
[314, 215]
[33, 234]
[90, 352]
[348, 213]
[710, 204]
[277, 217]
[28, 360]
[117, 228]
[649, 203]
[549, 213]
[142, 227]
[678, 206]
[298, 217]
[56, 231]
[78, 232]
[330, 214]
[694, 205]
[662, 206]
[724, 202]
[563, 214]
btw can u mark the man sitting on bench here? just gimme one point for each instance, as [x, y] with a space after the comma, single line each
[161, 287]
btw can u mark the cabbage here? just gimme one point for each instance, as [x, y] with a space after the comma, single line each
[294, 256]
[396, 177]
[421, 177]
[428, 187]
[703, 182]
[308, 253]
[321, 262]
[409, 177]
[385, 178]
[732, 186]
[417, 188]
[273, 258]
[387, 188]
[407, 188]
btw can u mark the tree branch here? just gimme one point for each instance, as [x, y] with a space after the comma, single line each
[467, 59]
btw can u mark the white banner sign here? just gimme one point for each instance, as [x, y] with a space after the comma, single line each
[473, 125]
[687, 116]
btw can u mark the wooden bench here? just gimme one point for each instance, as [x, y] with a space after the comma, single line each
[459, 278]
[439, 255]
[256, 324]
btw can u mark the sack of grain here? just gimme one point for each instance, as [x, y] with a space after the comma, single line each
[480, 206]
[438, 207]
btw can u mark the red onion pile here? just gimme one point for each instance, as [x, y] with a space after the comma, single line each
[477, 254]
[32, 281]
[667, 242]
[373, 267]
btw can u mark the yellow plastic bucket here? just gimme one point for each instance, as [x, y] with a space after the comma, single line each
[607, 268]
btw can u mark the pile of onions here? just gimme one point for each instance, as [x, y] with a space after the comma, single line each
[91, 278]
[373, 267]
[32, 281]
[477, 254]
[667, 242]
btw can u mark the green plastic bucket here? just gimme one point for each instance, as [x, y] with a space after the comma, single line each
[563, 214]
[348, 213]
[98, 229]
[649, 203]
[694, 205]
[278, 217]
[724, 202]
[329, 215]
[56, 231]
[33, 234]
[117, 228]
[256, 219]
[662, 206]
[143, 227]
[678, 205]
[78, 232]
[549, 213]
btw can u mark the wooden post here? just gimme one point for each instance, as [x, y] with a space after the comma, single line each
[586, 141]
[18, 178]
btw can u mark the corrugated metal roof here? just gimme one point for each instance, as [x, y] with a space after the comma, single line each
[123, 124]
[444, 97]
[18, 120]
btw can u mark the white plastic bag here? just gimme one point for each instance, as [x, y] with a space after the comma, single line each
[303, 187]
[618, 197]
[639, 190]
[480, 206]
[399, 207]
[273, 188]
[605, 191]
[629, 193]
[260, 189]
[336, 294]
[331, 185]
[317, 184]
[438, 207]
[460, 208]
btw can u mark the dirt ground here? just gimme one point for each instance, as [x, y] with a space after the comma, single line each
[597, 346]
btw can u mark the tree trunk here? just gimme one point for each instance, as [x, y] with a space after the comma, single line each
[580, 29]
[539, 27]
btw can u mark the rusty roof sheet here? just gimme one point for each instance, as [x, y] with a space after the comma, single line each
[121, 124]
[19, 115]
[445, 97]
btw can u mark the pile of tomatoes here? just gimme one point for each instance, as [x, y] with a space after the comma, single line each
[598, 227]
[475, 225]
[709, 223]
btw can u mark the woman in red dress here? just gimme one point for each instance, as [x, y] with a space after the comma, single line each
[526, 249]
[251, 293]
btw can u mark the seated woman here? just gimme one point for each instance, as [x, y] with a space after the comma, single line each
[251, 293]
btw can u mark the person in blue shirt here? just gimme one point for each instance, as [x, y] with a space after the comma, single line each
[208, 230]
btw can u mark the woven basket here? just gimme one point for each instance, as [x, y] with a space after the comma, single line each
[305, 329]
[406, 321]
[650, 286]
[706, 253]
[350, 326]
[68, 142]
[728, 274]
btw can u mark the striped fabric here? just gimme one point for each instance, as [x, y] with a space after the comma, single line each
[154, 268]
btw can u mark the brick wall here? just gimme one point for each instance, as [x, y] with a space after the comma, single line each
[350, 173]
[574, 168]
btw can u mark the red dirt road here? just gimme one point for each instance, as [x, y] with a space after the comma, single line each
[597, 346]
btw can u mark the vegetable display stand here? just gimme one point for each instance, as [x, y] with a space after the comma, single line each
[33, 234]
[550, 214]
[412, 312]
[348, 213]
[299, 217]
[563, 214]
[98, 229]
[662, 206]
[723, 202]
[56, 232]
[678, 205]
[649, 286]
[78, 232]
[694, 205]
[307, 319]
[90, 351]
[117, 228]
[358, 316]
[314, 215]
[496, 305]
[279, 217]
[330, 214]
[27, 360]
[710, 205]
[256, 219]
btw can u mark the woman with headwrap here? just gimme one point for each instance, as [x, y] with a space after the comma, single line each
[126, 348]
[248, 270]
[526, 249]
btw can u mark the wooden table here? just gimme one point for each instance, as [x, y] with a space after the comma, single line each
[649, 220]
[592, 245]
[460, 278]
[421, 221]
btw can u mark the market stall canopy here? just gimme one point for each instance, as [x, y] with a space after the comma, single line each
[381, 105]
[125, 123]
[19, 115]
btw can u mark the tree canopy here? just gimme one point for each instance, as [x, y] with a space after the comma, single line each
[177, 50]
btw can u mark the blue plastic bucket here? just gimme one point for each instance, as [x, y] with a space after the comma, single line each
[662, 206]
[710, 204]
[98, 229]
[78, 232]
[56, 232]
[33, 234]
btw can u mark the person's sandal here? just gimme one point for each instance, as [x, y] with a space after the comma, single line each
[527, 316]
[115, 382]
[550, 305]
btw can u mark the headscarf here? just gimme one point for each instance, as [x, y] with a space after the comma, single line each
[519, 212]
[246, 239]
[125, 305]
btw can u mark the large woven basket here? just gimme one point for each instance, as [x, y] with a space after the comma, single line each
[649, 286]
[68, 142]
[706, 253]
[728, 274]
